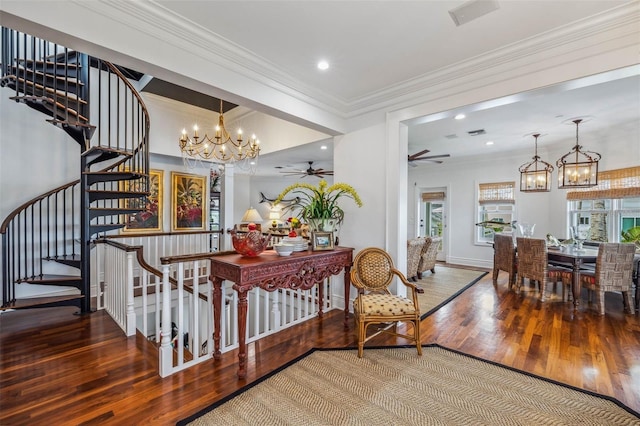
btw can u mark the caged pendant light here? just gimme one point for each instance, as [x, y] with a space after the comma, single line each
[535, 176]
[578, 168]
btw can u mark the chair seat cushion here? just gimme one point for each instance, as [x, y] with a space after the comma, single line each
[383, 304]
[588, 279]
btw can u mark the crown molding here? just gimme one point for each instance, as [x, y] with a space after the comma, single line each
[568, 41]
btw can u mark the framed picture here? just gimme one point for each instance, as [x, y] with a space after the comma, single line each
[188, 196]
[149, 219]
[321, 241]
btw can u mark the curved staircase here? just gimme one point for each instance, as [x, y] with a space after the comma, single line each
[94, 103]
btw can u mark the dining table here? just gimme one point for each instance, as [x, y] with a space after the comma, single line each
[575, 258]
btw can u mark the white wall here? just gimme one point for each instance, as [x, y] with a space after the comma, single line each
[35, 156]
[546, 210]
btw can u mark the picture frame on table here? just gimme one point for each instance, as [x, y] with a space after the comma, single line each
[321, 241]
[150, 218]
[188, 202]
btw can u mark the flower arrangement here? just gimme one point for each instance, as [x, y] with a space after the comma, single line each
[294, 222]
[320, 202]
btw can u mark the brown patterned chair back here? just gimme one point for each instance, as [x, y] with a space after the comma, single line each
[504, 257]
[614, 272]
[533, 264]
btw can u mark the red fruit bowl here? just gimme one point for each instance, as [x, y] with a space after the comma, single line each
[250, 244]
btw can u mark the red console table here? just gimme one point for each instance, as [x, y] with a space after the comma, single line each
[301, 270]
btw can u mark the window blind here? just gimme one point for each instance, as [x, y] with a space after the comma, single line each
[430, 196]
[618, 183]
[497, 192]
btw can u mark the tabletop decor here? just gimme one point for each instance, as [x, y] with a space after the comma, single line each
[319, 204]
[252, 243]
[294, 223]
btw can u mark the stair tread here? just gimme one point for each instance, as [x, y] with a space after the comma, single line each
[48, 63]
[104, 149]
[50, 278]
[70, 95]
[40, 73]
[49, 101]
[37, 301]
[63, 257]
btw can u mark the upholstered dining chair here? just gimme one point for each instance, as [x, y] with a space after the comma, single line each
[372, 274]
[414, 251]
[533, 264]
[613, 272]
[504, 258]
[429, 255]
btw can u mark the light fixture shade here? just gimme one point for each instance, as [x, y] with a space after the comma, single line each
[578, 168]
[578, 175]
[251, 215]
[535, 176]
[274, 215]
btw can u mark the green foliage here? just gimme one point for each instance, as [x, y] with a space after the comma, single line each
[632, 235]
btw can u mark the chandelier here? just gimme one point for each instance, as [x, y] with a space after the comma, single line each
[535, 176]
[577, 168]
[221, 148]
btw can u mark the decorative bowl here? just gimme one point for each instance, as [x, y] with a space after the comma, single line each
[283, 249]
[250, 244]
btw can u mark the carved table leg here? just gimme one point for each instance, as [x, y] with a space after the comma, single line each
[242, 333]
[320, 298]
[217, 309]
[347, 291]
[575, 288]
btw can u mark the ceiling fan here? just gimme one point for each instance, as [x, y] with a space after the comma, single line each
[310, 172]
[420, 157]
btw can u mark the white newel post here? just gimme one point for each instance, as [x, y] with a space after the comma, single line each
[131, 313]
[166, 352]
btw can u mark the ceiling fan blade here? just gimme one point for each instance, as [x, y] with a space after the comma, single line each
[424, 160]
[417, 154]
[430, 157]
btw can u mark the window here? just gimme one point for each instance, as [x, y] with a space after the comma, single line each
[496, 205]
[611, 207]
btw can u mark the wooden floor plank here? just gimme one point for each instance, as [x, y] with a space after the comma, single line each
[59, 367]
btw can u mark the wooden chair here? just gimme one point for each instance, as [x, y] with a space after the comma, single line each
[504, 258]
[614, 272]
[371, 274]
[428, 255]
[533, 264]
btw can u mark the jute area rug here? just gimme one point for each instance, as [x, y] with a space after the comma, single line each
[395, 386]
[443, 286]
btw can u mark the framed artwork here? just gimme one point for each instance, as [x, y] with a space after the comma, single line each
[188, 195]
[321, 241]
[149, 219]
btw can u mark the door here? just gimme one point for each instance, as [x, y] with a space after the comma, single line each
[433, 216]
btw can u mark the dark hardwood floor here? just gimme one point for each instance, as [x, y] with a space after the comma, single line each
[58, 368]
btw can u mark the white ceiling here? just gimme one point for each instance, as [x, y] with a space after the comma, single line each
[375, 47]
[379, 51]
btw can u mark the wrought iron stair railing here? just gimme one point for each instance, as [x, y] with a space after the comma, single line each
[97, 106]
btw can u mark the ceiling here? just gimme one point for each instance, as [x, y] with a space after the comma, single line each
[376, 49]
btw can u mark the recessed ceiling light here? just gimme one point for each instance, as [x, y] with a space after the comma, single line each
[489, 143]
[323, 147]
[323, 65]
[459, 116]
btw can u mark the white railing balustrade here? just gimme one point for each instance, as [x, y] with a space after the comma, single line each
[174, 307]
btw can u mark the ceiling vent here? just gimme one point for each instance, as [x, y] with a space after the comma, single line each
[476, 132]
[472, 10]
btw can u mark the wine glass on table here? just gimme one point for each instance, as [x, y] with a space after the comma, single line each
[580, 233]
